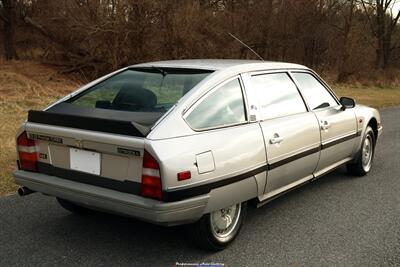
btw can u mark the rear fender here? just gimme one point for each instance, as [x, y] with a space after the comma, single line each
[231, 194]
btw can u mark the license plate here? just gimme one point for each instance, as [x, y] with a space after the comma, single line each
[84, 161]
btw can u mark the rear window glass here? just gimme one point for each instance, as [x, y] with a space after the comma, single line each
[141, 90]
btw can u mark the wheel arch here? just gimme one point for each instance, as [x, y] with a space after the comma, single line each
[373, 123]
[231, 194]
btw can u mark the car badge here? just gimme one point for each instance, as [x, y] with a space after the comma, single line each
[78, 143]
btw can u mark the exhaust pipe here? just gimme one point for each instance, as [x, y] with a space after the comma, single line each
[24, 191]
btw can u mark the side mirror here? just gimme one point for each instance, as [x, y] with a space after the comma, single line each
[347, 102]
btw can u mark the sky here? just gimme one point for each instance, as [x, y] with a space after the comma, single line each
[396, 7]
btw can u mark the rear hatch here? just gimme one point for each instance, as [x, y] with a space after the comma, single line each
[98, 158]
[97, 137]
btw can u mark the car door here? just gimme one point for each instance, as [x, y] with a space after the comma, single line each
[338, 127]
[291, 133]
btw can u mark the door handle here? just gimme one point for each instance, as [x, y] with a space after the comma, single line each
[325, 125]
[276, 139]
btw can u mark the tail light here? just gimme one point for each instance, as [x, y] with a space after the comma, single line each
[27, 152]
[151, 179]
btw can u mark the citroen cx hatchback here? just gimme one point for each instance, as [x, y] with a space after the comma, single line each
[192, 141]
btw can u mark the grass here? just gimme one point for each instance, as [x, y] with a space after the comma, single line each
[377, 97]
[23, 86]
[28, 85]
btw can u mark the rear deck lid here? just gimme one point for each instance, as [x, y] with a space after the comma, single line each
[97, 158]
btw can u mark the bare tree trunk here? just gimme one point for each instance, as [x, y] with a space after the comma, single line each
[8, 17]
[383, 27]
[344, 71]
[380, 23]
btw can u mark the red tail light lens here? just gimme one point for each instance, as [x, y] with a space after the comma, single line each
[151, 179]
[185, 175]
[27, 152]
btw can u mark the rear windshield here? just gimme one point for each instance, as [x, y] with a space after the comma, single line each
[141, 90]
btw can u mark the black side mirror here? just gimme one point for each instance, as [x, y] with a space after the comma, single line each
[347, 102]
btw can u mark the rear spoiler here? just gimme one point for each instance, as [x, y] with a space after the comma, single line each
[123, 127]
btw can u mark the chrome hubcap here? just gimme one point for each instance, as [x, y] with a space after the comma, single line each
[367, 151]
[224, 221]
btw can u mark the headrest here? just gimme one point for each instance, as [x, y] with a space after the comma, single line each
[135, 97]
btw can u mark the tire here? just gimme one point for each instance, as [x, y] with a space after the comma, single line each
[72, 207]
[204, 232]
[365, 156]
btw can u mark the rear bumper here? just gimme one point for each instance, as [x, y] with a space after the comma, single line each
[103, 199]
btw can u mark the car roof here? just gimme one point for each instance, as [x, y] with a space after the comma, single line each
[220, 64]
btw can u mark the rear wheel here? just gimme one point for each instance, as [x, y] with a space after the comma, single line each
[365, 156]
[217, 230]
[72, 207]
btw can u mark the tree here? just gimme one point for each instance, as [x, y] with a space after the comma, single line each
[96, 36]
[383, 24]
[8, 17]
[344, 68]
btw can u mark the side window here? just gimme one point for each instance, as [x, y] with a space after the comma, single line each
[314, 92]
[278, 95]
[224, 106]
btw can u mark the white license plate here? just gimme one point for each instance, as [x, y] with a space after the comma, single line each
[84, 161]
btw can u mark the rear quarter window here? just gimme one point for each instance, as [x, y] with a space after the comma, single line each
[223, 107]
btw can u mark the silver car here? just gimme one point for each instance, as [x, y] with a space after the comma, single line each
[193, 141]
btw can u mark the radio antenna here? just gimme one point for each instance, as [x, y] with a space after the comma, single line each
[248, 47]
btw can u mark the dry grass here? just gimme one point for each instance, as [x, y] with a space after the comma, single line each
[23, 86]
[377, 97]
[29, 85]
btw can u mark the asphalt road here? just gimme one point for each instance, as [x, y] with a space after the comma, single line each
[337, 220]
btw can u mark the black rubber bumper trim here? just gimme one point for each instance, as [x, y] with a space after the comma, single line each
[293, 158]
[86, 178]
[134, 187]
[206, 188]
[177, 195]
[340, 140]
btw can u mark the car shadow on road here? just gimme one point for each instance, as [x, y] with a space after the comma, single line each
[122, 237]
[106, 234]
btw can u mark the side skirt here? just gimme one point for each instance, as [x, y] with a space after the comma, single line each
[264, 199]
[283, 190]
[331, 168]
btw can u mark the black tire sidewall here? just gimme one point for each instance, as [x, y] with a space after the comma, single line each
[356, 168]
[368, 132]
